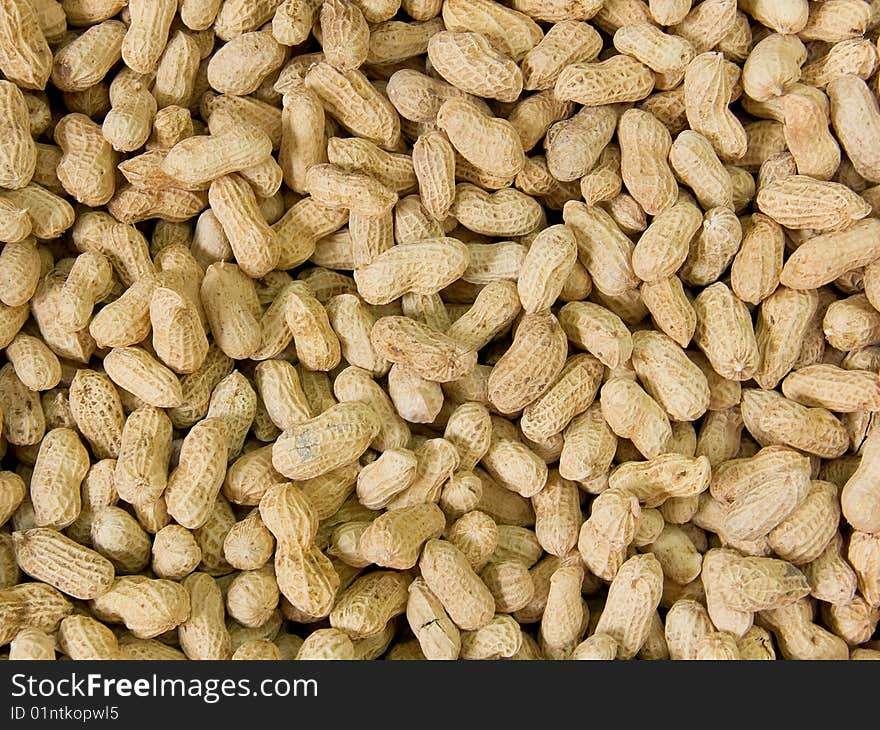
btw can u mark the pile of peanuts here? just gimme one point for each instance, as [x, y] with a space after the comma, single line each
[439, 329]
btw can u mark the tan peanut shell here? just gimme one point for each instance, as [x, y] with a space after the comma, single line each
[464, 596]
[313, 448]
[49, 556]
